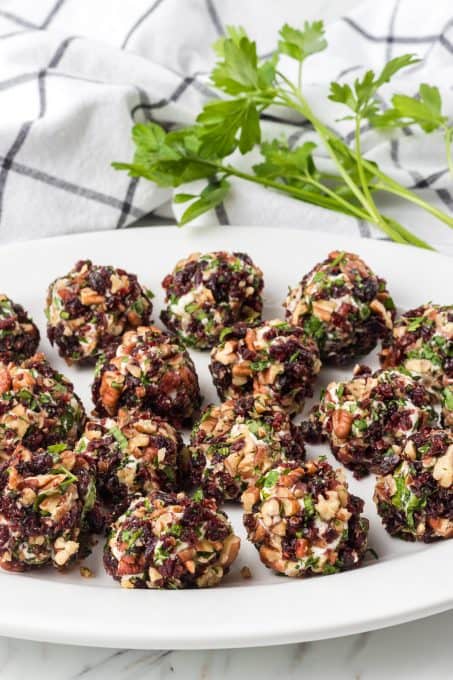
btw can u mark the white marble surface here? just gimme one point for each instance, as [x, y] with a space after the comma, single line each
[415, 651]
[418, 650]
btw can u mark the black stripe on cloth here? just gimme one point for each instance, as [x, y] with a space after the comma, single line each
[446, 43]
[426, 182]
[144, 101]
[5, 36]
[389, 46]
[133, 182]
[20, 139]
[18, 80]
[419, 181]
[70, 187]
[18, 20]
[348, 138]
[364, 229]
[445, 197]
[25, 128]
[60, 52]
[278, 119]
[400, 39]
[52, 13]
[214, 16]
[348, 70]
[29, 24]
[139, 21]
[25, 77]
[222, 214]
[126, 206]
[385, 38]
[164, 102]
[422, 63]
[297, 136]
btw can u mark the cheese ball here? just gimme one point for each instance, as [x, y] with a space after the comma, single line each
[237, 442]
[45, 496]
[19, 336]
[206, 293]
[170, 541]
[422, 342]
[272, 358]
[343, 305]
[38, 407]
[92, 306]
[368, 418]
[415, 502]
[150, 370]
[134, 453]
[303, 520]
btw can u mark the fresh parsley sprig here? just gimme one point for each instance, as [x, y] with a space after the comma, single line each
[249, 86]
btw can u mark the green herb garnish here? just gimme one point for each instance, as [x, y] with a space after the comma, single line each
[119, 436]
[247, 87]
[260, 365]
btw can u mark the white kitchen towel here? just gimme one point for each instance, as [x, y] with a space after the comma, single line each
[75, 75]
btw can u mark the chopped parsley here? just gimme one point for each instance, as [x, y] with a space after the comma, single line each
[339, 258]
[224, 332]
[448, 398]
[260, 365]
[416, 322]
[270, 479]
[314, 327]
[119, 436]
[198, 495]
[406, 501]
[160, 555]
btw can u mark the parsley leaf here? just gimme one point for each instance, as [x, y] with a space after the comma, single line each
[211, 196]
[424, 110]
[301, 44]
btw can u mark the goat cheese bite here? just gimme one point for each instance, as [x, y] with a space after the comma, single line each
[271, 358]
[368, 418]
[303, 520]
[205, 293]
[133, 453]
[92, 306]
[150, 370]
[38, 407]
[45, 496]
[238, 441]
[415, 501]
[19, 336]
[422, 342]
[170, 541]
[342, 305]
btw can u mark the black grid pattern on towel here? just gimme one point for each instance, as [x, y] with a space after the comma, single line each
[145, 104]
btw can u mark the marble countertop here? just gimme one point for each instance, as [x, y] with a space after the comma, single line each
[419, 650]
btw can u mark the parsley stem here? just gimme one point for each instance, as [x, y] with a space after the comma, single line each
[299, 76]
[392, 187]
[307, 196]
[353, 209]
[304, 108]
[411, 238]
[379, 219]
[389, 226]
[326, 135]
[361, 171]
[448, 137]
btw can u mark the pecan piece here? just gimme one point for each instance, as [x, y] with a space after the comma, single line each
[341, 423]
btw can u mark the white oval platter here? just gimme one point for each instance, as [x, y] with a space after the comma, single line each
[408, 581]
